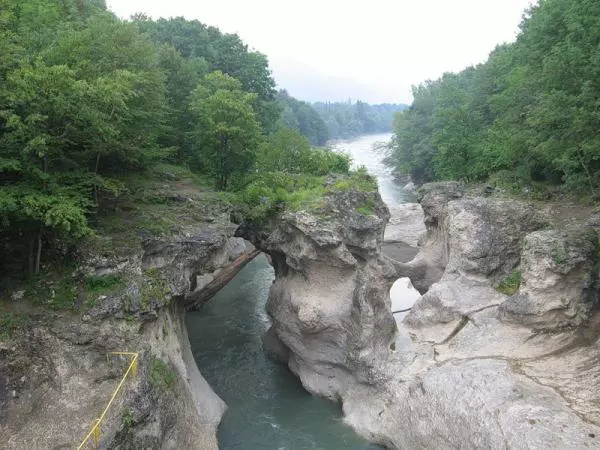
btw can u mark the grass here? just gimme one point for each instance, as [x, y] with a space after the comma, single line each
[56, 290]
[270, 192]
[358, 179]
[155, 288]
[364, 210]
[61, 290]
[127, 419]
[100, 284]
[510, 284]
[9, 323]
[559, 258]
[164, 200]
[161, 375]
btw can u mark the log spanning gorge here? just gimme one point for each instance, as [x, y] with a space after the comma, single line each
[468, 358]
[267, 405]
[469, 365]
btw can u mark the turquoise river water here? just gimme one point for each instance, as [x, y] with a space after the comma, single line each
[267, 406]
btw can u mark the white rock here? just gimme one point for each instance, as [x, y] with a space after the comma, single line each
[17, 295]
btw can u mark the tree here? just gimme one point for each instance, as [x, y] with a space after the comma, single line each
[284, 151]
[227, 131]
[222, 52]
[302, 117]
[530, 111]
[348, 119]
[81, 99]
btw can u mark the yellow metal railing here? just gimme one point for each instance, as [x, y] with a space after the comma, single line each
[95, 431]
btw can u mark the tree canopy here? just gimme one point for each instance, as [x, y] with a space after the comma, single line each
[301, 116]
[349, 119]
[530, 113]
[226, 129]
[89, 102]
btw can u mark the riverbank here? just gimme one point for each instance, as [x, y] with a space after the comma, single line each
[507, 325]
[125, 292]
[506, 300]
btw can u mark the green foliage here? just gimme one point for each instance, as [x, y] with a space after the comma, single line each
[161, 375]
[102, 283]
[55, 290]
[271, 191]
[127, 419]
[346, 120]
[207, 47]
[91, 105]
[78, 104]
[288, 151]
[510, 284]
[9, 323]
[154, 289]
[302, 117]
[227, 130]
[531, 109]
[289, 174]
[358, 180]
[364, 210]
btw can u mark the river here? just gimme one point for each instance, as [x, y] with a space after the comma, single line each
[267, 406]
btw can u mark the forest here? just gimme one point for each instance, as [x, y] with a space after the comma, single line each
[528, 116]
[345, 120]
[89, 102]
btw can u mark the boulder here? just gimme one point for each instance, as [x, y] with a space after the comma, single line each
[330, 303]
[406, 224]
[559, 276]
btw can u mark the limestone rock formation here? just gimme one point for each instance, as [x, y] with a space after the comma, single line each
[330, 300]
[466, 368]
[559, 279]
[472, 368]
[61, 373]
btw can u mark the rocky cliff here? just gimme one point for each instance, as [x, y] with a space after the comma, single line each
[329, 303]
[57, 373]
[500, 351]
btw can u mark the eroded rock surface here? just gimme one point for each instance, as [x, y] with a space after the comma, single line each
[559, 276]
[60, 374]
[482, 371]
[470, 366]
[406, 224]
[330, 300]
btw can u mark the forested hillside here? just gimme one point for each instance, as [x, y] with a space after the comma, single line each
[301, 116]
[89, 102]
[529, 114]
[349, 119]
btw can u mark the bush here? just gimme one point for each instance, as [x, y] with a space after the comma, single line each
[510, 284]
[161, 375]
[270, 191]
[97, 284]
[288, 151]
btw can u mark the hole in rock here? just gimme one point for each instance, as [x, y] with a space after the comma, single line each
[403, 296]
[267, 406]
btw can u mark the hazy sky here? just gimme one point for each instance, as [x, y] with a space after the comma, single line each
[339, 49]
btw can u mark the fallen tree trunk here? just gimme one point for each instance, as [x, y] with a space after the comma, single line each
[195, 300]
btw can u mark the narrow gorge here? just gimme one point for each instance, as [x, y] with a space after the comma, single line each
[471, 365]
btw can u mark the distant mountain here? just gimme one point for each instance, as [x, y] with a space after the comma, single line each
[348, 119]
